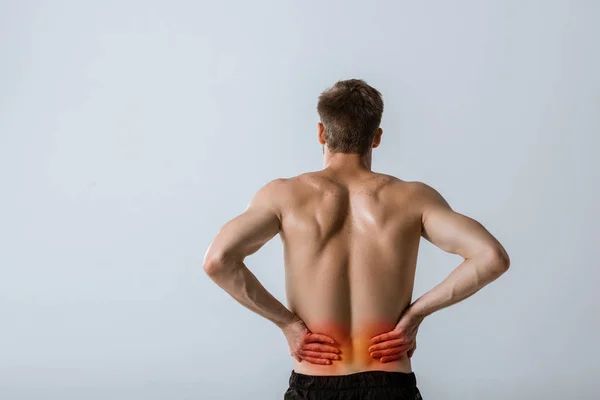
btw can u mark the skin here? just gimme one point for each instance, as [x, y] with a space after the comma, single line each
[350, 239]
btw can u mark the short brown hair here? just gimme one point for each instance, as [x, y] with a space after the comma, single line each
[351, 112]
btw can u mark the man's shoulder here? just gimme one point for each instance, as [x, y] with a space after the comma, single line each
[397, 183]
[414, 191]
[299, 187]
[413, 186]
[425, 196]
[280, 186]
[423, 190]
[304, 181]
[274, 187]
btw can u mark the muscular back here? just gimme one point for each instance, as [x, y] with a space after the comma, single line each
[350, 240]
[350, 243]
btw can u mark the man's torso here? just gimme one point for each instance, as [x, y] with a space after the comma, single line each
[350, 246]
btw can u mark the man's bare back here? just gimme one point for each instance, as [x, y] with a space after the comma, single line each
[350, 240]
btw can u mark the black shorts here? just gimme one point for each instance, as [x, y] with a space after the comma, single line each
[371, 385]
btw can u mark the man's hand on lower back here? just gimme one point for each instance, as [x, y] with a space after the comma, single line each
[311, 347]
[390, 346]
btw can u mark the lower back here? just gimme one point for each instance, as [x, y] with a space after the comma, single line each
[352, 304]
[354, 348]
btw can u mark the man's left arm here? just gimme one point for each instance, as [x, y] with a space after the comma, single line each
[224, 263]
[239, 238]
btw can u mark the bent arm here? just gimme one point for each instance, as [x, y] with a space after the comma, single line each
[484, 257]
[237, 239]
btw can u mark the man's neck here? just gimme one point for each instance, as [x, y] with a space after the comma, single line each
[346, 161]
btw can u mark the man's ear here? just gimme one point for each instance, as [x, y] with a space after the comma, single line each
[377, 138]
[321, 133]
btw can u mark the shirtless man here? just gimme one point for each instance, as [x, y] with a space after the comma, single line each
[351, 238]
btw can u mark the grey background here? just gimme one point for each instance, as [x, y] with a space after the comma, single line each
[130, 131]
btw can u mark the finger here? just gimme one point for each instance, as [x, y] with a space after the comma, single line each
[389, 358]
[317, 337]
[319, 361]
[386, 336]
[318, 354]
[387, 344]
[389, 352]
[321, 347]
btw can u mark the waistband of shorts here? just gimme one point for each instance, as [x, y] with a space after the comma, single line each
[359, 380]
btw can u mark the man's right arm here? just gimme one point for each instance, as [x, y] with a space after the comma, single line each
[484, 257]
[484, 261]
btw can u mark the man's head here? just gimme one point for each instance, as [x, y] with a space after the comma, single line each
[350, 114]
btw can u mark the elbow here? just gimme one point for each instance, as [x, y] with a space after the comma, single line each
[216, 261]
[212, 265]
[213, 261]
[498, 260]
